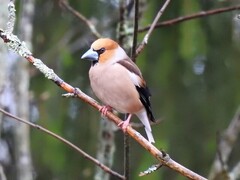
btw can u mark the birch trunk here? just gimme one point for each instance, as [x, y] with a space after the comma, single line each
[3, 64]
[21, 85]
[14, 96]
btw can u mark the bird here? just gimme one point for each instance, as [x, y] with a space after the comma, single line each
[118, 83]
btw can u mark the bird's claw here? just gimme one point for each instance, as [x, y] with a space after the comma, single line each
[105, 109]
[123, 125]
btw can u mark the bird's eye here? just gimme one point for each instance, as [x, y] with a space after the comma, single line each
[100, 51]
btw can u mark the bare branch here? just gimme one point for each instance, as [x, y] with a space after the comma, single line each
[225, 145]
[87, 156]
[146, 37]
[151, 169]
[126, 155]
[81, 17]
[235, 173]
[11, 17]
[191, 17]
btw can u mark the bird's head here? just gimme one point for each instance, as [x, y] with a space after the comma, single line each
[104, 50]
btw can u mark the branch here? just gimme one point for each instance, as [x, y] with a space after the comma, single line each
[151, 169]
[135, 31]
[190, 17]
[126, 155]
[146, 37]
[84, 154]
[225, 146]
[11, 17]
[81, 17]
[19, 47]
[235, 173]
[121, 24]
[121, 35]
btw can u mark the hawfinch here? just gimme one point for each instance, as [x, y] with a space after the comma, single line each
[118, 83]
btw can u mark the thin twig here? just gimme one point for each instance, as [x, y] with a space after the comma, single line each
[151, 169]
[84, 154]
[126, 154]
[146, 37]
[190, 17]
[222, 161]
[121, 36]
[135, 31]
[121, 24]
[81, 17]
[126, 136]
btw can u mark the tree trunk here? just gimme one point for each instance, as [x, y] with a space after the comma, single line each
[3, 64]
[106, 148]
[14, 96]
[21, 85]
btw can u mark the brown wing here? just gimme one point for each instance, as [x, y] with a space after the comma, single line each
[131, 66]
[144, 93]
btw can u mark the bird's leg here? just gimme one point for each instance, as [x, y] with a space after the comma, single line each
[105, 109]
[123, 125]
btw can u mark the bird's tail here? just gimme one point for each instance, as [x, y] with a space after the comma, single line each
[142, 115]
[150, 136]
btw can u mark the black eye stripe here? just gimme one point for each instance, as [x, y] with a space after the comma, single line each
[100, 51]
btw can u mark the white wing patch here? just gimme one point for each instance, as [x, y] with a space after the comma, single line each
[135, 78]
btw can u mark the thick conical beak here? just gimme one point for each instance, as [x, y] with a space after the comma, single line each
[90, 55]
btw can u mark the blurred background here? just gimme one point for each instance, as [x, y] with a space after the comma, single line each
[192, 70]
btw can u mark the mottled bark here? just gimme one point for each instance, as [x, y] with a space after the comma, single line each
[21, 84]
[3, 83]
[3, 51]
[2, 175]
[14, 97]
[106, 148]
[227, 141]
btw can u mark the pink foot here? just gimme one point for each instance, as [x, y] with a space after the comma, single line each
[105, 109]
[124, 124]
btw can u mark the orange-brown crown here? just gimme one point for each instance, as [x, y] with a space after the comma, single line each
[108, 45]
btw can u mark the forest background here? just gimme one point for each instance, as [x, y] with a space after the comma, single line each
[192, 70]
